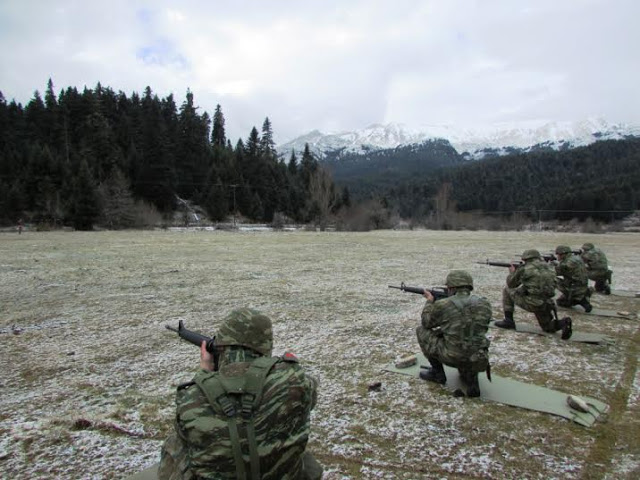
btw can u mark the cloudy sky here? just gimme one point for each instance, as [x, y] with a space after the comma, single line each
[338, 65]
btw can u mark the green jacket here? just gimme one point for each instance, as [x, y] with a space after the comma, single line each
[280, 419]
[454, 331]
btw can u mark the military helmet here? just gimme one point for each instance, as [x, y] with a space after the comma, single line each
[459, 278]
[562, 250]
[528, 254]
[248, 328]
[588, 246]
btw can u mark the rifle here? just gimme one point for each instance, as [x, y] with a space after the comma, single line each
[196, 339]
[437, 292]
[501, 264]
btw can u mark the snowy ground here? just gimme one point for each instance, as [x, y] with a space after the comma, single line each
[89, 371]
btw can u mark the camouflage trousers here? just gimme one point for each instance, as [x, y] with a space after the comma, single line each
[601, 277]
[571, 294]
[174, 462]
[542, 308]
[472, 360]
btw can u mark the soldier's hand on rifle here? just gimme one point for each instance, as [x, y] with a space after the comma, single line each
[429, 296]
[206, 359]
[512, 268]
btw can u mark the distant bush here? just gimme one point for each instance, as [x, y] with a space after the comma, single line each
[145, 215]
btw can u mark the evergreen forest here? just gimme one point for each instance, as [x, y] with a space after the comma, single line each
[599, 181]
[97, 157]
[101, 158]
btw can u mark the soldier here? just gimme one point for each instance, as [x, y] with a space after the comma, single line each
[572, 279]
[249, 418]
[532, 286]
[453, 333]
[597, 267]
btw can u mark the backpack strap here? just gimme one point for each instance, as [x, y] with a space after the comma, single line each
[217, 395]
[218, 392]
[255, 378]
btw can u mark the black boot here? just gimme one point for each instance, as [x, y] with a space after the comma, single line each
[435, 373]
[507, 322]
[584, 303]
[567, 329]
[471, 380]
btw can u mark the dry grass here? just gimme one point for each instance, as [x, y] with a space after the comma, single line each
[89, 370]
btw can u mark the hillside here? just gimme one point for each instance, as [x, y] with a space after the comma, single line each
[603, 177]
[366, 174]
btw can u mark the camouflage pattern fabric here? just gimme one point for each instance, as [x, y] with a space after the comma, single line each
[453, 330]
[574, 282]
[246, 327]
[532, 288]
[596, 262]
[201, 447]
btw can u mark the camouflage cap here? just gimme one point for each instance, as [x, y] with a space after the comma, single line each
[588, 246]
[562, 250]
[248, 328]
[528, 254]
[459, 278]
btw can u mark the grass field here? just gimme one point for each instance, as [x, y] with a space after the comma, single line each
[89, 371]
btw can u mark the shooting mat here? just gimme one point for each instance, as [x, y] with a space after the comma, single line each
[514, 393]
[624, 293]
[150, 473]
[580, 337]
[598, 312]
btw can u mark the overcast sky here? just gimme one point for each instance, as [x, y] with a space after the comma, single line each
[337, 65]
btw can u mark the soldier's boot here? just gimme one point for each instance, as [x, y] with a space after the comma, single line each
[508, 321]
[566, 325]
[607, 283]
[473, 386]
[584, 303]
[600, 286]
[435, 373]
[470, 379]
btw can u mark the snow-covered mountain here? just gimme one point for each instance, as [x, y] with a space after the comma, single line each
[472, 142]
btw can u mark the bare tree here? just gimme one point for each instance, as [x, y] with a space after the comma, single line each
[322, 196]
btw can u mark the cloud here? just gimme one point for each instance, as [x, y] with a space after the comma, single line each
[337, 65]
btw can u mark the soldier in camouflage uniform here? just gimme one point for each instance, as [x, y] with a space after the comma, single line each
[249, 419]
[453, 332]
[572, 279]
[532, 287]
[597, 267]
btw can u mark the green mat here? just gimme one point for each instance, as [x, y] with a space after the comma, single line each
[514, 393]
[624, 293]
[150, 473]
[580, 337]
[598, 312]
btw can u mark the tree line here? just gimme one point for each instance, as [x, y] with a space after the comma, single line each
[99, 157]
[600, 181]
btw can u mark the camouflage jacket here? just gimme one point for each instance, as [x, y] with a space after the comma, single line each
[573, 272]
[535, 278]
[281, 422]
[454, 330]
[595, 260]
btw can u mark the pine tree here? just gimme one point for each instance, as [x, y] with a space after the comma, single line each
[293, 163]
[218, 138]
[84, 206]
[267, 145]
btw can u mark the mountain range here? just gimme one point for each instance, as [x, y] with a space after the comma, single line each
[470, 143]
